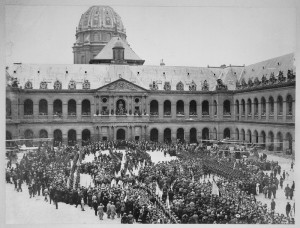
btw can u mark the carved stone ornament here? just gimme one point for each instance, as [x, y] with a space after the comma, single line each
[167, 86]
[237, 85]
[281, 78]
[243, 83]
[28, 85]
[250, 82]
[180, 86]
[86, 84]
[291, 75]
[193, 86]
[43, 85]
[220, 85]
[57, 85]
[121, 86]
[15, 83]
[256, 82]
[205, 86]
[264, 80]
[272, 78]
[72, 85]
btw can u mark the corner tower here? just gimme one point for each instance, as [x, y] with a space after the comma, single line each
[96, 27]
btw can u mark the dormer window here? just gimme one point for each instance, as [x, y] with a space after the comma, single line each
[118, 52]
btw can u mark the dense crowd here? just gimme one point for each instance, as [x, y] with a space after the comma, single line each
[130, 186]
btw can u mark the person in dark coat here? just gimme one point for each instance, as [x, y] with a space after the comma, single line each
[273, 204]
[288, 209]
[124, 219]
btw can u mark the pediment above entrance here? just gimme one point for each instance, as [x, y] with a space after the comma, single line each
[121, 85]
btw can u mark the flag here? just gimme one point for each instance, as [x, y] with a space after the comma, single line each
[215, 189]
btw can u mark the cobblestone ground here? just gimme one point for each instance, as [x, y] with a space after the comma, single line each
[20, 209]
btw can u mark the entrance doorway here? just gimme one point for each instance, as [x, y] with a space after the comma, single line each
[121, 134]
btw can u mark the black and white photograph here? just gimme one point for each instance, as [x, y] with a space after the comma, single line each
[149, 112]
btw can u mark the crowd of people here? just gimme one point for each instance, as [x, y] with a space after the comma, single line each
[131, 187]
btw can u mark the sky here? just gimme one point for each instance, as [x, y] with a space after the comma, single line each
[180, 34]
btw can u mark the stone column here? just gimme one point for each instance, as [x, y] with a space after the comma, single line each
[35, 110]
[78, 109]
[246, 110]
[253, 111]
[199, 109]
[146, 133]
[275, 110]
[160, 110]
[259, 110]
[284, 113]
[267, 112]
[173, 110]
[65, 110]
[186, 135]
[173, 136]
[187, 109]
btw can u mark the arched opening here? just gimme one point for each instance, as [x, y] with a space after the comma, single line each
[57, 107]
[57, 137]
[167, 108]
[226, 134]
[28, 107]
[43, 134]
[279, 142]
[289, 105]
[271, 106]
[279, 106]
[263, 139]
[271, 141]
[289, 140]
[255, 133]
[28, 134]
[193, 108]
[226, 107]
[243, 135]
[237, 105]
[43, 107]
[86, 107]
[180, 107]
[193, 135]
[237, 134]
[8, 137]
[263, 106]
[215, 108]
[255, 106]
[215, 134]
[205, 133]
[249, 106]
[249, 136]
[243, 107]
[72, 107]
[72, 138]
[121, 107]
[205, 108]
[8, 108]
[154, 108]
[180, 135]
[154, 135]
[167, 135]
[121, 134]
[85, 137]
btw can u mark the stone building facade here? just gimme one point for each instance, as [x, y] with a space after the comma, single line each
[120, 98]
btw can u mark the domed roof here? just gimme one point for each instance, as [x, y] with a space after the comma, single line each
[101, 17]
[118, 44]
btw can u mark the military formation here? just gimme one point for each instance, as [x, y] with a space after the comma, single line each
[131, 187]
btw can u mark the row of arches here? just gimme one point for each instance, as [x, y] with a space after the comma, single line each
[263, 102]
[180, 134]
[154, 110]
[57, 136]
[57, 107]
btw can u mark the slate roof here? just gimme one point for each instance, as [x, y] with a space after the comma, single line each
[143, 75]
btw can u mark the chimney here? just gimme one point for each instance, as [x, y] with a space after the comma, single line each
[162, 62]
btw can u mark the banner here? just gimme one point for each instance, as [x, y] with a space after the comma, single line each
[215, 189]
